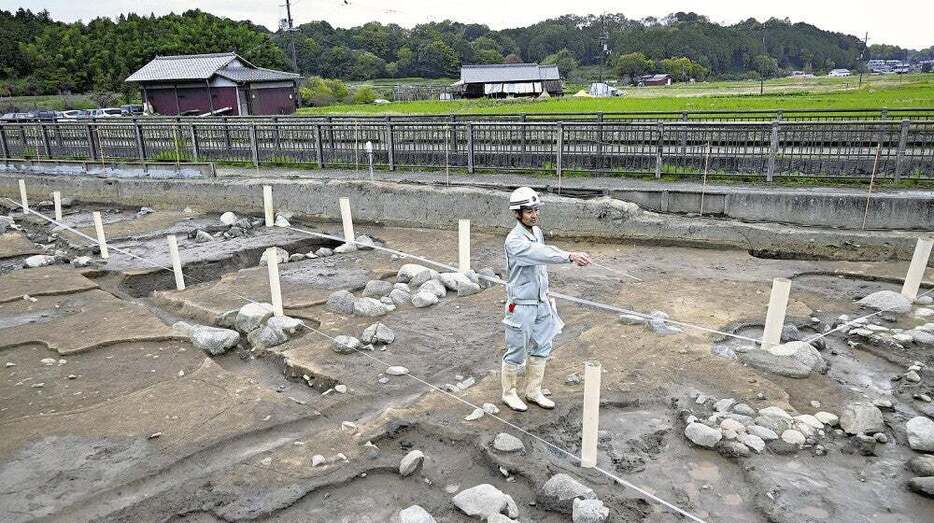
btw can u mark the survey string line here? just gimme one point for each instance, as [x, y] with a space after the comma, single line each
[521, 430]
[566, 297]
[860, 319]
[423, 382]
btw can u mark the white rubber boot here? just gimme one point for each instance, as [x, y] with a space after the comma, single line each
[533, 391]
[510, 374]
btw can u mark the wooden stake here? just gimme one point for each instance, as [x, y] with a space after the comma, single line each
[347, 219]
[591, 416]
[57, 199]
[775, 317]
[272, 261]
[22, 196]
[267, 205]
[176, 262]
[99, 227]
[919, 262]
[463, 236]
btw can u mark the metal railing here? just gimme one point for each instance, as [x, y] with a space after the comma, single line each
[718, 115]
[769, 149]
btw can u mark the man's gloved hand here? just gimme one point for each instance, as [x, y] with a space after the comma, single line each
[581, 259]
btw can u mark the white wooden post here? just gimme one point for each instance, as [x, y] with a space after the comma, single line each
[267, 205]
[99, 227]
[347, 219]
[775, 317]
[591, 416]
[176, 262]
[919, 262]
[463, 243]
[22, 196]
[272, 261]
[57, 199]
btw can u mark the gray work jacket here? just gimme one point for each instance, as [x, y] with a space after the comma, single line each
[526, 256]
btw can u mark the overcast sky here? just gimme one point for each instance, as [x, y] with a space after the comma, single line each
[900, 22]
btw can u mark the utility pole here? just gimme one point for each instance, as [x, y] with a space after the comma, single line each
[291, 31]
[862, 58]
[604, 48]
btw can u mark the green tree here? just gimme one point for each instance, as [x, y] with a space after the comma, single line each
[365, 94]
[366, 66]
[564, 59]
[486, 51]
[683, 69]
[632, 65]
[512, 58]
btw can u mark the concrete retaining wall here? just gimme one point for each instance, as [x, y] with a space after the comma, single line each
[886, 211]
[108, 168]
[432, 207]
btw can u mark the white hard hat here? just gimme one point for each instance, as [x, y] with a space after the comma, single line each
[523, 197]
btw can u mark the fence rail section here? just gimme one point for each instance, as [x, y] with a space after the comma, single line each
[777, 148]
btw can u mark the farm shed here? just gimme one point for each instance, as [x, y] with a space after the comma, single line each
[503, 80]
[203, 83]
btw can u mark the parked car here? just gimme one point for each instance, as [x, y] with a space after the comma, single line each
[75, 114]
[132, 110]
[18, 117]
[107, 112]
[45, 116]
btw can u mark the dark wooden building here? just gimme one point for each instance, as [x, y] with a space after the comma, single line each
[222, 83]
[504, 80]
[655, 79]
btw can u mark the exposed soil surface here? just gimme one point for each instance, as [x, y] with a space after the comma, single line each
[108, 413]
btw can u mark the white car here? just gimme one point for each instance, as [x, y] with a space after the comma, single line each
[108, 112]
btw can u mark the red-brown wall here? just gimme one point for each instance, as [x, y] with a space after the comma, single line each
[272, 101]
[163, 99]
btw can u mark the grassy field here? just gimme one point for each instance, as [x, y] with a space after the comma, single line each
[49, 102]
[890, 91]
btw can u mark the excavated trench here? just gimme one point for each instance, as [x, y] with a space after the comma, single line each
[641, 432]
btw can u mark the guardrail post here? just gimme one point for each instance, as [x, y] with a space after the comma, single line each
[900, 155]
[92, 147]
[195, 150]
[140, 148]
[684, 134]
[226, 133]
[659, 149]
[773, 152]
[780, 115]
[390, 147]
[559, 152]
[3, 142]
[45, 140]
[275, 126]
[453, 134]
[470, 148]
[600, 140]
[525, 130]
[254, 148]
[319, 147]
[22, 132]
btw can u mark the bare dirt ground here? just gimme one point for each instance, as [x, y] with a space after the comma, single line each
[108, 413]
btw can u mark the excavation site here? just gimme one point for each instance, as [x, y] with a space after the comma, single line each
[265, 345]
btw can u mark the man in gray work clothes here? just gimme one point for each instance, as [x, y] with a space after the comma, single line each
[531, 317]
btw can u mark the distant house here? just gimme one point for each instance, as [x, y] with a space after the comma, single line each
[503, 80]
[221, 83]
[655, 79]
